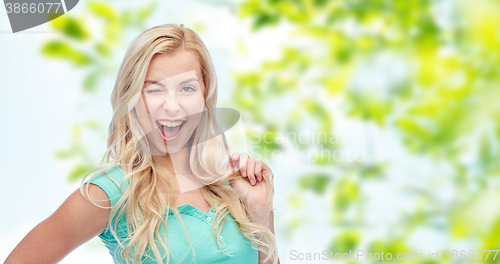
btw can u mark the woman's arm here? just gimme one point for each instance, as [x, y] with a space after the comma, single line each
[269, 220]
[255, 193]
[75, 222]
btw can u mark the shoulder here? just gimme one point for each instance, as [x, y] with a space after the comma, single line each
[111, 182]
[113, 175]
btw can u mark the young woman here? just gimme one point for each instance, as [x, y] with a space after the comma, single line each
[166, 191]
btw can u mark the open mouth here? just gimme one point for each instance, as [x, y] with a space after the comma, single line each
[170, 130]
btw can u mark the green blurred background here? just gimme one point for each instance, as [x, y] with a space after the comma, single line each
[407, 87]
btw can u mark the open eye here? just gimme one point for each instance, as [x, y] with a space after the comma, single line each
[187, 89]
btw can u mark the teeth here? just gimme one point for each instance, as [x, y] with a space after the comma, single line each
[170, 124]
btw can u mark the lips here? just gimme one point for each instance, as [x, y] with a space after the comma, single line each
[170, 133]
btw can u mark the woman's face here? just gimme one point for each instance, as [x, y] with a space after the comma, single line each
[171, 101]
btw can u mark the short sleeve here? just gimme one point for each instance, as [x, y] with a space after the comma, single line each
[110, 181]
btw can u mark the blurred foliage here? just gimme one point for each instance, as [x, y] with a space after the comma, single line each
[346, 241]
[315, 182]
[437, 92]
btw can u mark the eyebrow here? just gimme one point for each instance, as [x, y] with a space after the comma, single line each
[181, 83]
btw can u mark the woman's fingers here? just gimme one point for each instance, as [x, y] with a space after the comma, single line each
[258, 169]
[250, 168]
[230, 164]
[234, 160]
[269, 173]
[266, 168]
[235, 156]
[243, 159]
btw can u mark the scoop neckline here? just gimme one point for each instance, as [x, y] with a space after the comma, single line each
[192, 208]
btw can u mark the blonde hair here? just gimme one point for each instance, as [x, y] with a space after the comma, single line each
[140, 202]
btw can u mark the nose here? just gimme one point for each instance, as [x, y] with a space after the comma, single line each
[171, 105]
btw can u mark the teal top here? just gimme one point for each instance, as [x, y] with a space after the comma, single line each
[198, 225]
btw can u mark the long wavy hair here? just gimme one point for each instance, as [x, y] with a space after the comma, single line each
[143, 203]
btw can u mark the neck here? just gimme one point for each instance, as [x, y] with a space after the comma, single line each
[176, 162]
[178, 165]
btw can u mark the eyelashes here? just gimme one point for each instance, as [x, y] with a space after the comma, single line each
[187, 89]
[191, 89]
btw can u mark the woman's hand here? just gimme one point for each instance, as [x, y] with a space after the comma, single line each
[252, 185]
